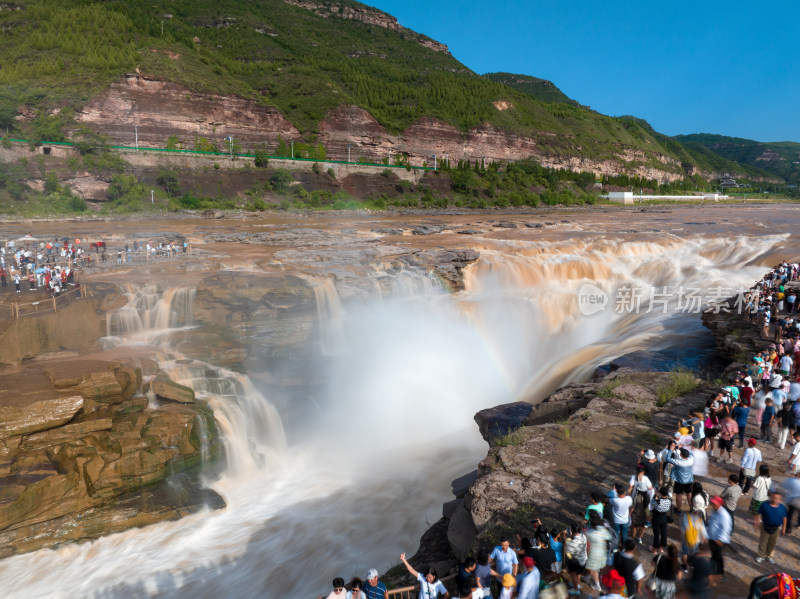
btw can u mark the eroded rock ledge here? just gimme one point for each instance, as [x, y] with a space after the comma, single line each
[90, 459]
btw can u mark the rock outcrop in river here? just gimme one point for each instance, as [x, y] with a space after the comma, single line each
[89, 457]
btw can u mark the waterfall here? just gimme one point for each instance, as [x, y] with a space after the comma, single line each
[394, 421]
[149, 313]
[203, 439]
[330, 315]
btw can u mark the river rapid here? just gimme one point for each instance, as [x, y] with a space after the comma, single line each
[361, 469]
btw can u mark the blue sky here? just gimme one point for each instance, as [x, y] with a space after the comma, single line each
[731, 68]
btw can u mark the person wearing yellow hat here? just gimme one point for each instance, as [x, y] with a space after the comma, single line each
[508, 583]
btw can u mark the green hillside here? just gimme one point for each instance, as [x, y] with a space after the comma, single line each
[541, 89]
[57, 54]
[781, 159]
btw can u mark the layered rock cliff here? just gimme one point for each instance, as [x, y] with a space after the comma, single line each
[89, 457]
[155, 110]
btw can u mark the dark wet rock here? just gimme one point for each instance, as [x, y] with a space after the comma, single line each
[534, 225]
[165, 388]
[505, 225]
[427, 229]
[469, 232]
[500, 420]
[447, 264]
[387, 231]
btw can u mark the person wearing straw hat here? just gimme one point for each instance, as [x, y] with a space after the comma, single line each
[508, 582]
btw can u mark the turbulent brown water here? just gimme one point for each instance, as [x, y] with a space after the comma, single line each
[370, 462]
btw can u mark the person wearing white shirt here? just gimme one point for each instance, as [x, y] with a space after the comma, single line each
[748, 466]
[430, 587]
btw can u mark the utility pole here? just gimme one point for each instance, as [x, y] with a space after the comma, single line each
[292, 148]
[348, 152]
[434, 162]
[152, 199]
[136, 133]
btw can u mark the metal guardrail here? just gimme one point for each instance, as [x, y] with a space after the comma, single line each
[410, 592]
[51, 304]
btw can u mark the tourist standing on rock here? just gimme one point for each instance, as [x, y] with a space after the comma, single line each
[771, 518]
[652, 467]
[740, 414]
[630, 569]
[621, 506]
[484, 573]
[544, 555]
[700, 500]
[504, 559]
[766, 421]
[785, 420]
[374, 589]
[508, 584]
[615, 583]
[576, 556]
[557, 545]
[731, 494]
[727, 431]
[3, 277]
[791, 499]
[660, 507]
[711, 426]
[16, 282]
[641, 490]
[430, 587]
[794, 458]
[693, 531]
[761, 487]
[719, 528]
[682, 462]
[748, 465]
[666, 574]
[465, 571]
[595, 505]
[599, 546]
[528, 583]
[697, 583]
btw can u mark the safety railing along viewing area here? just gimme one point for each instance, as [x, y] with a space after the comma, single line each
[412, 591]
[239, 155]
[51, 304]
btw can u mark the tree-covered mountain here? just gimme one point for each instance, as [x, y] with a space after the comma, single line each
[781, 159]
[541, 89]
[305, 58]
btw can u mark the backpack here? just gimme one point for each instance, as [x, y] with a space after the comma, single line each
[692, 534]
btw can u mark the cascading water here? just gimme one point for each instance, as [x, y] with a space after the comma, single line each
[150, 313]
[394, 424]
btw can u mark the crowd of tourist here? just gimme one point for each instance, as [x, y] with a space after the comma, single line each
[33, 264]
[599, 555]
